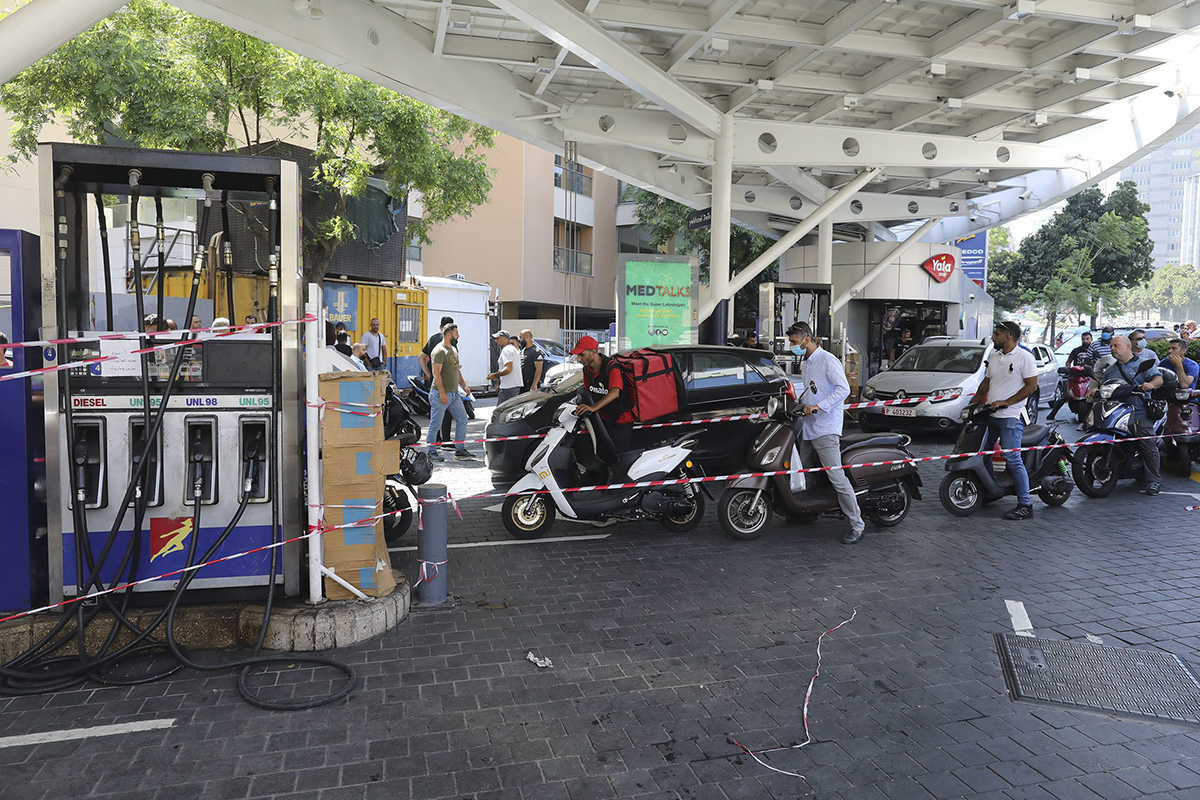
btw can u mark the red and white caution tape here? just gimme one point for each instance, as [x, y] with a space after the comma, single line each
[807, 697]
[109, 337]
[425, 568]
[901, 401]
[479, 441]
[333, 405]
[1191, 508]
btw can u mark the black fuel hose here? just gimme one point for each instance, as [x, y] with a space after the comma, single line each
[227, 252]
[107, 259]
[160, 241]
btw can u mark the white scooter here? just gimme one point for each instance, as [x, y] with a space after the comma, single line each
[529, 511]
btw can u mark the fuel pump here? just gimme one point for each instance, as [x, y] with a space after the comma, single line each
[133, 440]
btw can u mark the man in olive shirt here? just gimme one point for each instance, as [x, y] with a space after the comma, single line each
[444, 396]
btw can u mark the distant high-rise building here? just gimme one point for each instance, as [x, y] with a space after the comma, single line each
[1161, 179]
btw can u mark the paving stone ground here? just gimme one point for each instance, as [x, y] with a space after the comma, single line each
[665, 647]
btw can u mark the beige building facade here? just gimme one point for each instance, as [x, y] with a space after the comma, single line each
[522, 243]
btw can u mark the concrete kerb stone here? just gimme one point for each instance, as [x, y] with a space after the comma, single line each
[223, 626]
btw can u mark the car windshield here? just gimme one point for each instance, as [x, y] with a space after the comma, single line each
[569, 384]
[552, 347]
[940, 359]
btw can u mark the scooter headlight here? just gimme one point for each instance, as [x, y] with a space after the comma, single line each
[1106, 391]
[771, 455]
[1122, 424]
[965, 414]
[520, 412]
[772, 406]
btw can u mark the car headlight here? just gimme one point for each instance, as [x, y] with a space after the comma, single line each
[956, 390]
[520, 412]
[771, 455]
[868, 392]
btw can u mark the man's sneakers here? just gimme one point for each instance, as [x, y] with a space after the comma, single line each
[853, 537]
[1152, 489]
[1020, 512]
[464, 455]
[434, 455]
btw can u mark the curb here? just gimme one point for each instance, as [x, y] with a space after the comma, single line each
[223, 626]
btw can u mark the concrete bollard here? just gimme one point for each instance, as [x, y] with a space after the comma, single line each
[433, 566]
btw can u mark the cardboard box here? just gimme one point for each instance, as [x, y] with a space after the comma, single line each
[364, 388]
[358, 554]
[351, 464]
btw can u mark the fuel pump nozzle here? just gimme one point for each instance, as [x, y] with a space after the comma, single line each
[251, 471]
[79, 457]
[197, 467]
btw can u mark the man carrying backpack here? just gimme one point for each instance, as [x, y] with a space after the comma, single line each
[605, 382]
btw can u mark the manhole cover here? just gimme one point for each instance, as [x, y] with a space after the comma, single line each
[1121, 680]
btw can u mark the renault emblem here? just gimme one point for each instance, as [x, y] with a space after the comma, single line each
[900, 395]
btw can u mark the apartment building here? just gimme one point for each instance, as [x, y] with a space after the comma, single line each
[1162, 181]
[546, 240]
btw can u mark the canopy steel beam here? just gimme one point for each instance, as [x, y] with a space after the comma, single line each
[38, 29]
[894, 253]
[580, 34]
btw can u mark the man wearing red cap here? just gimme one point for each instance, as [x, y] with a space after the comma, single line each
[605, 384]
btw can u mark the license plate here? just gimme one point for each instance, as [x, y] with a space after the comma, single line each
[899, 411]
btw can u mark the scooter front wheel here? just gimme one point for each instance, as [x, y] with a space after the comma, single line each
[399, 519]
[960, 494]
[744, 513]
[1094, 470]
[528, 516]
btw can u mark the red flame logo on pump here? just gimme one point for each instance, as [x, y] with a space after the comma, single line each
[940, 267]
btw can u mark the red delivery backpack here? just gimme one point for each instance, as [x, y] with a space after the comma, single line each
[653, 384]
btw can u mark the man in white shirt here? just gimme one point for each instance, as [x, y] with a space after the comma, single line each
[358, 354]
[821, 425]
[1011, 377]
[376, 346]
[509, 368]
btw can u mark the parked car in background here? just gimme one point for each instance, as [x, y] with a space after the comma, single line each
[942, 365]
[718, 381]
[570, 366]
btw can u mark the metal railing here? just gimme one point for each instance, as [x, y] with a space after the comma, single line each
[576, 262]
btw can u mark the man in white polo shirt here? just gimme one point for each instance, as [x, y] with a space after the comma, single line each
[1011, 377]
[508, 371]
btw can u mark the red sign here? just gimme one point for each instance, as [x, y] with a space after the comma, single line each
[168, 535]
[940, 267]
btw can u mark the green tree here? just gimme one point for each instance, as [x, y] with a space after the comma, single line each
[999, 240]
[155, 76]
[1173, 290]
[666, 223]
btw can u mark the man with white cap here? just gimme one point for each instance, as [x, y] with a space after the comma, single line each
[508, 369]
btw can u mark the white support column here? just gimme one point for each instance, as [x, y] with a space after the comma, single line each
[314, 332]
[785, 242]
[722, 199]
[896, 252]
[825, 251]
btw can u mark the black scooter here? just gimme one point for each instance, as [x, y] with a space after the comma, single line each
[399, 490]
[969, 484]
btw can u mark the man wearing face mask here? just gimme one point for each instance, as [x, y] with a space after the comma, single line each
[1103, 348]
[820, 428]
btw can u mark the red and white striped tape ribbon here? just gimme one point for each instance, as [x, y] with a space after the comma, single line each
[109, 337]
[1191, 508]
[902, 401]
[333, 405]
[424, 569]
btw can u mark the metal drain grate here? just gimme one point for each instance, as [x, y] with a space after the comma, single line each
[1120, 680]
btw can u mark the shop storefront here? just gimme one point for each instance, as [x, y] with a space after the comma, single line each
[924, 292]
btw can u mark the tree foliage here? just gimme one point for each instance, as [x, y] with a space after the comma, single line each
[666, 223]
[151, 75]
[1174, 288]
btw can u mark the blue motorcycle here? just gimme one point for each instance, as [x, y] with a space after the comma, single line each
[1105, 456]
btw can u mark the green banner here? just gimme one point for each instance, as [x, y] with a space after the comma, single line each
[656, 304]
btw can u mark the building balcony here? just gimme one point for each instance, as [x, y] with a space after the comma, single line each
[576, 262]
[573, 181]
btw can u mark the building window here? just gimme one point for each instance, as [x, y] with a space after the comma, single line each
[632, 239]
[1173, 246]
[1174, 232]
[574, 177]
[414, 249]
[1177, 193]
[1176, 179]
[1177, 206]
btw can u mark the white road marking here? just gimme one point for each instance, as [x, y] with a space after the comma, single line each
[507, 542]
[85, 733]
[1020, 618]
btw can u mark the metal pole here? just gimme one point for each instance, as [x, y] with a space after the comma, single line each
[825, 251]
[785, 242]
[718, 242]
[900, 249]
[313, 339]
[432, 559]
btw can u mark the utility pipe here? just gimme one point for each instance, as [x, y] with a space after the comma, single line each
[313, 341]
[896, 252]
[776, 250]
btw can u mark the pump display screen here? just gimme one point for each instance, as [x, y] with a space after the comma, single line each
[237, 362]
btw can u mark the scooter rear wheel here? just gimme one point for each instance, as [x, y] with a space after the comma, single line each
[960, 495]
[395, 525]
[1095, 470]
[528, 516]
[1179, 459]
[896, 516]
[741, 516]
[687, 522]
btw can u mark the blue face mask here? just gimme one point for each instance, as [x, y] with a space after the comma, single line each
[1106, 337]
[798, 349]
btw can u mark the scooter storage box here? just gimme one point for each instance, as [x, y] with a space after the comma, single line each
[653, 385]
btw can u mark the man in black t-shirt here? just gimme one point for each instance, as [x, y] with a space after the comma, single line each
[427, 350]
[532, 363]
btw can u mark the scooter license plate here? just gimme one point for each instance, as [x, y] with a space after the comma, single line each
[899, 411]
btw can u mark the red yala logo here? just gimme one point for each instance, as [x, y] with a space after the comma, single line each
[940, 267]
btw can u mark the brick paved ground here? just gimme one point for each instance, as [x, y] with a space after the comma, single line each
[665, 646]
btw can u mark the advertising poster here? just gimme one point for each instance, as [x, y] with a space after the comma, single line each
[973, 260]
[341, 303]
[657, 302]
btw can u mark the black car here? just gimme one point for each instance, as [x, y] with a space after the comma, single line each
[720, 381]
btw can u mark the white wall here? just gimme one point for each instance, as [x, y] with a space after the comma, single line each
[467, 303]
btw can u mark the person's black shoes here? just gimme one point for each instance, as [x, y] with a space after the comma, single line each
[853, 537]
[1020, 512]
[464, 455]
[435, 456]
[1152, 489]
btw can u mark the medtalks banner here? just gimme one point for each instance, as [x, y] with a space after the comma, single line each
[657, 303]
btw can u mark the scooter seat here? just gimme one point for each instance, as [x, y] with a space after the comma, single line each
[1033, 434]
[872, 440]
[618, 471]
